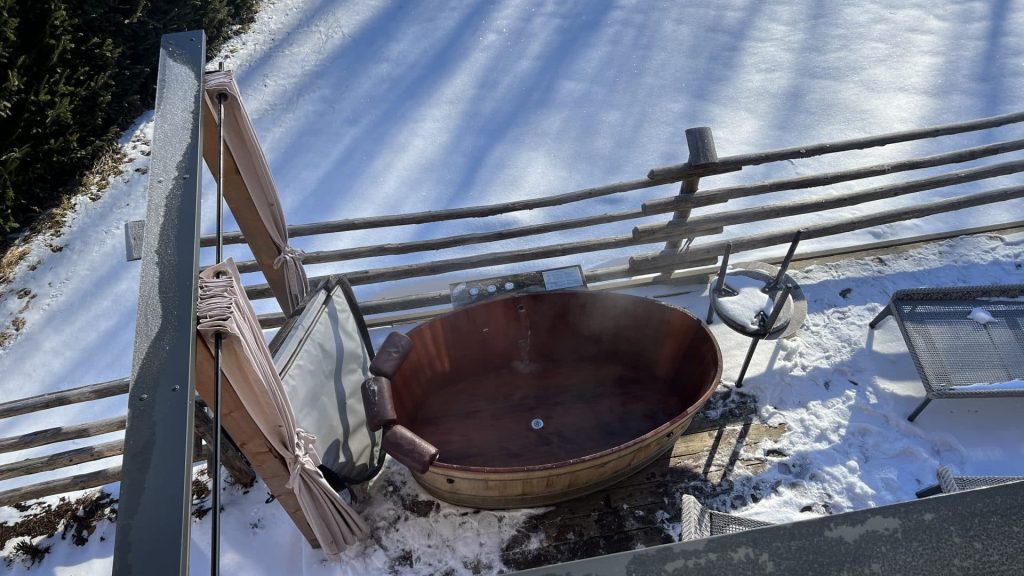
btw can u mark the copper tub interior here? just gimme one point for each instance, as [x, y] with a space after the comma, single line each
[547, 378]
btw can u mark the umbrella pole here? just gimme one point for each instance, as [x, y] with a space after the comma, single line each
[217, 345]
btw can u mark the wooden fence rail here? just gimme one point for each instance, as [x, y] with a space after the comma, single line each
[72, 483]
[822, 203]
[454, 241]
[719, 195]
[430, 216]
[64, 397]
[236, 465]
[655, 177]
[62, 434]
[60, 486]
[656, 260]
[797, 152]
[697, 226]
[61, 459]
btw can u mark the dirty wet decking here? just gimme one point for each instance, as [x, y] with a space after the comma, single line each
[723, 440]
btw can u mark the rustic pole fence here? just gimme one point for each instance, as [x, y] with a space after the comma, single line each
[679, 253]
[236, 465]
[674, 230]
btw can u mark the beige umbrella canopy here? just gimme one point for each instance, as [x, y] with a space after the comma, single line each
[250, 191]
[259, 416]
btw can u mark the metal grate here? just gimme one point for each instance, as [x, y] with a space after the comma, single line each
[950, 483]
[722, 523]
[701, 522]
[950, 350]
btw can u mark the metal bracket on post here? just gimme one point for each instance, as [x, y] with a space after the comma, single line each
[701, 145]
[154, 514]
[133, 234]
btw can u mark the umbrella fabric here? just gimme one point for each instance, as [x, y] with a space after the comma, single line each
[250, 191]
[249, 370]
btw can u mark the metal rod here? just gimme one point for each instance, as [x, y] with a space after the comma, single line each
[785, 262]
[882, 315]
[221, 99]
[719, 284]
[917, 411]
[217, 345]
[746, 361]
[780, 302]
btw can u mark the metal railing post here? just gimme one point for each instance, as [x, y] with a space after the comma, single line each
[153, 518]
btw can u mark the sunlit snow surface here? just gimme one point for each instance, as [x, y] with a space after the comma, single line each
[368, 108]
[1015, 384]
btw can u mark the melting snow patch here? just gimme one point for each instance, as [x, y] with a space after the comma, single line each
[749, 300]
[876, 524]
[1016, 384]
[981, 316]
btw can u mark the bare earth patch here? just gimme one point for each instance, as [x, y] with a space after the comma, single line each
[78, 518]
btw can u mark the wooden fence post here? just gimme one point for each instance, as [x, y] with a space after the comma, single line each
[701, 145]
[231, 457]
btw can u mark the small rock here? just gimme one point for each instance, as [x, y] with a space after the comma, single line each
[820, 508]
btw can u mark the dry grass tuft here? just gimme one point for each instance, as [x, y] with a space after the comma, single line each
[53, 222]
[10, 260]
[78, 518]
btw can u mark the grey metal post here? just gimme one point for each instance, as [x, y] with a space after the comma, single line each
[153, 517]
[701, 145]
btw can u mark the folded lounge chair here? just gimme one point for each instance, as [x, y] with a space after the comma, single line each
[949, 484]
[958, 352]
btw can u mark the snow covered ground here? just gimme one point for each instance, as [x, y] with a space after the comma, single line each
[367, 108]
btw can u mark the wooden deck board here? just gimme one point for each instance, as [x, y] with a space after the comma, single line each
[637, 512]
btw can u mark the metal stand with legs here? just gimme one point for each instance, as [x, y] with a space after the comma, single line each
[780, 287]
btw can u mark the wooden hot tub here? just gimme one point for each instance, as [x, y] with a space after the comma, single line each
[539, 398]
